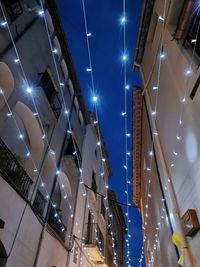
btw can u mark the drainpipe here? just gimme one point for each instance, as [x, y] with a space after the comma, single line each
[170, 188]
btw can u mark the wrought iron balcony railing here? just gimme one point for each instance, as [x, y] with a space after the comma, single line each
[39, 203]
[55, 221]
[13, 172]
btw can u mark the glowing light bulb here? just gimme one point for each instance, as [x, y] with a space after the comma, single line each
[28, 154]
[161, 18]
[175, 153]
[124, 57]
[62, 84]
[153, 113]
[40, 12]
[66, 112]
[123, 20]
[16, 60]
[9, 114]
[3, 23]
[29, 90]
[180, 122]
[57, 172]
[162, 55]
[127, 86]
[55, 51]
[42, 184]
[88, 69]
[193, 41]
[89, 34]
[1, 91]
[150, 153]
[183, 100]
[188, 72]
[98, 143]
[52, 152]
[123, 113]
[94, 98]
[178, 137]
[155, 87]
[21, 136]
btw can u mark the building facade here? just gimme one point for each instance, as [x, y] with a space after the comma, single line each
[119, 229]
[51, 159]
[166, 131]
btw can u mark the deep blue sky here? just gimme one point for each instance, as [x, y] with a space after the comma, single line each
[103, 18]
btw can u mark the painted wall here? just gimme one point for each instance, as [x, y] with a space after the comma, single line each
[172, 88]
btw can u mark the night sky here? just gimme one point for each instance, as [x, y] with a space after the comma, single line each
[103, 19]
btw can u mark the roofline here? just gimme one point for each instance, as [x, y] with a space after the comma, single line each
[146, 15]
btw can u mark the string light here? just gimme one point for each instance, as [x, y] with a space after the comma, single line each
[123, 20]
[161, 18]
[3, 23]
[94, 98]
[29, 90]
[124, 57]
[16, 60]
[40, 13]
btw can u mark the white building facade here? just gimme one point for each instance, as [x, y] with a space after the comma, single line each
[166, 167]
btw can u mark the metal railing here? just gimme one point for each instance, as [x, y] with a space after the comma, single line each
[39, 203]
[55, 221]
[13, 172]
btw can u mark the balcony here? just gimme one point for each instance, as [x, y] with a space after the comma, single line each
[55, 221]
[39, 203]
[13, 172]
[94, 243]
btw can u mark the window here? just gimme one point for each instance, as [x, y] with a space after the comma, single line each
[50, 91]
[73, 150]
[94, 185]
[192, 39]
[13, 8]
[103, 210]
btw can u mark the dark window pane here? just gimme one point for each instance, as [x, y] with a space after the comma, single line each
[13, 8]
